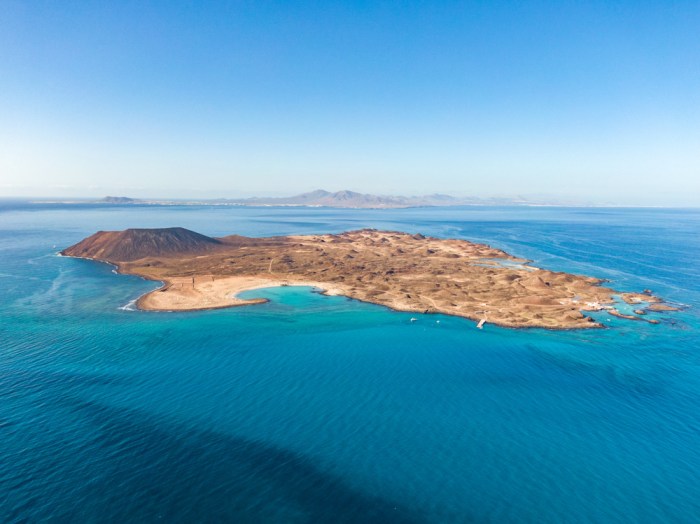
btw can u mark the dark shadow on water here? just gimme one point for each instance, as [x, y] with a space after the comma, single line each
[145, 469]
[22, 381]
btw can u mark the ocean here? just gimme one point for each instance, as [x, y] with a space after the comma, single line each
[324, 409]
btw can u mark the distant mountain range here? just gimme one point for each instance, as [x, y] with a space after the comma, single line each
[338, 199]
[353, 199]
[119, 200]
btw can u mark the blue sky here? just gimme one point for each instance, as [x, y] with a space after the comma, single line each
[592, 101]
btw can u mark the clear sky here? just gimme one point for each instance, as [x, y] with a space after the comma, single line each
[597, 101]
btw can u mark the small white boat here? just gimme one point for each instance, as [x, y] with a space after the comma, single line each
[481, 323]
[413, 319]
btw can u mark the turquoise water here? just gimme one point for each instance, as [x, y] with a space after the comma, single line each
[324, 409]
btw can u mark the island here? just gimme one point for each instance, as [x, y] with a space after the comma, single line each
[405, 272]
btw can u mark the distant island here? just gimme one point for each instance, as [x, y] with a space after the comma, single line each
[337, 199]
[119, 200]
[404, 272]
[352, 199]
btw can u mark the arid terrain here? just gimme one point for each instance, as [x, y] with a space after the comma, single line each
[401, 271]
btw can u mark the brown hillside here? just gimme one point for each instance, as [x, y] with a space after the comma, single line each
[135, 244]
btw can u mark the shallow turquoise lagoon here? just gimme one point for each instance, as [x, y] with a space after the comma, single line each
[324, 409]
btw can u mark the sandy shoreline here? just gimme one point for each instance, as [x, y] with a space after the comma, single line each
[215, 292]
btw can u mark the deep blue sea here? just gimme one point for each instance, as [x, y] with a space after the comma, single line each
[324, 409]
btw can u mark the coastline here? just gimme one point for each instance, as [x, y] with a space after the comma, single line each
[175, 296]
[207, 292]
